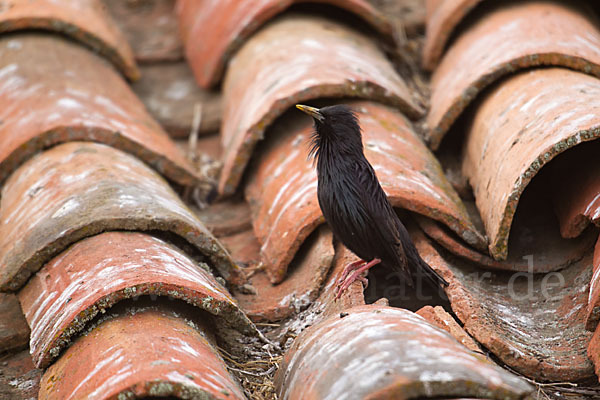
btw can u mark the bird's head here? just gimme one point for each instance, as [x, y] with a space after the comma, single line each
[336, 126]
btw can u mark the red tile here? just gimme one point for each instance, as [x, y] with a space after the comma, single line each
[80, 189]
[518, 128]
[380, 352]
[533, 323]
[294, 59]
[82, 20]
[14, 332]
[225, 25]
[593, 304]
[505, 40]
[171, 95]
[148, 353]
[150, 27]
[594, 350]
[439, 317]
[282, 191]
[442, 17]
[307, 276]
[76, 95]
[19, 379]
[226, 218]
[95, 273]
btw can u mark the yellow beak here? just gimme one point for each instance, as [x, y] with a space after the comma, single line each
[312, 111]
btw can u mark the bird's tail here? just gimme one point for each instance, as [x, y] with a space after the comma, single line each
[421, 268]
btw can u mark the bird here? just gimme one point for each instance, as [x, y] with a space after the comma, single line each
[354, 204]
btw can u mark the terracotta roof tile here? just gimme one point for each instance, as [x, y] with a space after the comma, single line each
[74, 95]
[229, 23]
[518, 128]
[439, 317]
[19, 379]
[282, 191]
[150, 27]
[79, 189]
[397, 354]
[83, 20]
[502, 41]
[97, 272]
[266, 77]
[148, 353]
[307, 276]
[14, 332]
[593, 304]
[443, 16]
[532, 323]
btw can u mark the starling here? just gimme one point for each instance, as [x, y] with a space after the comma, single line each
[354, 204]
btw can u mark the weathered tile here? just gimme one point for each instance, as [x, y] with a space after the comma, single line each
[282, 190]
[397, 354]
[307, 276]
[74, 95]
[226, 218]
[225, 25]
[79, 189]
[442, 17]
[518, 128]
[593, 304]
[19, 379]
[150, 27]
[440, 318]
[14, 332]
[293, 59]
[577, 199]
[95, 273]
[171, 95]
[534, 323]
[82, 20]
[502, 41]
[142, 354]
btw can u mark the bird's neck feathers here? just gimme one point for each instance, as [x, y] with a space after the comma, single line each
[339, 142]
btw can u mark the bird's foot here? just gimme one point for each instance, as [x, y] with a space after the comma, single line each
[355, 273]
[348, 269]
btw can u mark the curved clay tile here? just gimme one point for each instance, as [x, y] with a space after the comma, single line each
[293, 59]
[74, 95]
[83, 20]
[224, 26]
[95, 273]
[442, 17]
[141, 354]
[593, 304]
[534, 323]
[502, 41]
[79, 189]
[307, 275]
[518, 128]
[282, 191]
[396, 353]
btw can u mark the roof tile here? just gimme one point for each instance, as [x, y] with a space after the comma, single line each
[14, 332]
[439, 317]
[97, 272]
[80, 189]
[400, 356]
[296, 58]
[226, 24]
[518, 128]
[19, 379]
[593, 305]
[534, 323]
[82, 20]
[148, 353]
[282, 190]
[443, 16]
[502, 41]
[307, 276]
[74, 95]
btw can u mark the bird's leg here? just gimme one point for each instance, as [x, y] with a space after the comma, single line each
[354, 276]
[349, 268]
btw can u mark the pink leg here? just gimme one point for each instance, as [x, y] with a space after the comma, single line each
[349, 268]
[354, 276]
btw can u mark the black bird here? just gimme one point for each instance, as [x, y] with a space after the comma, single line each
[354, 204]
